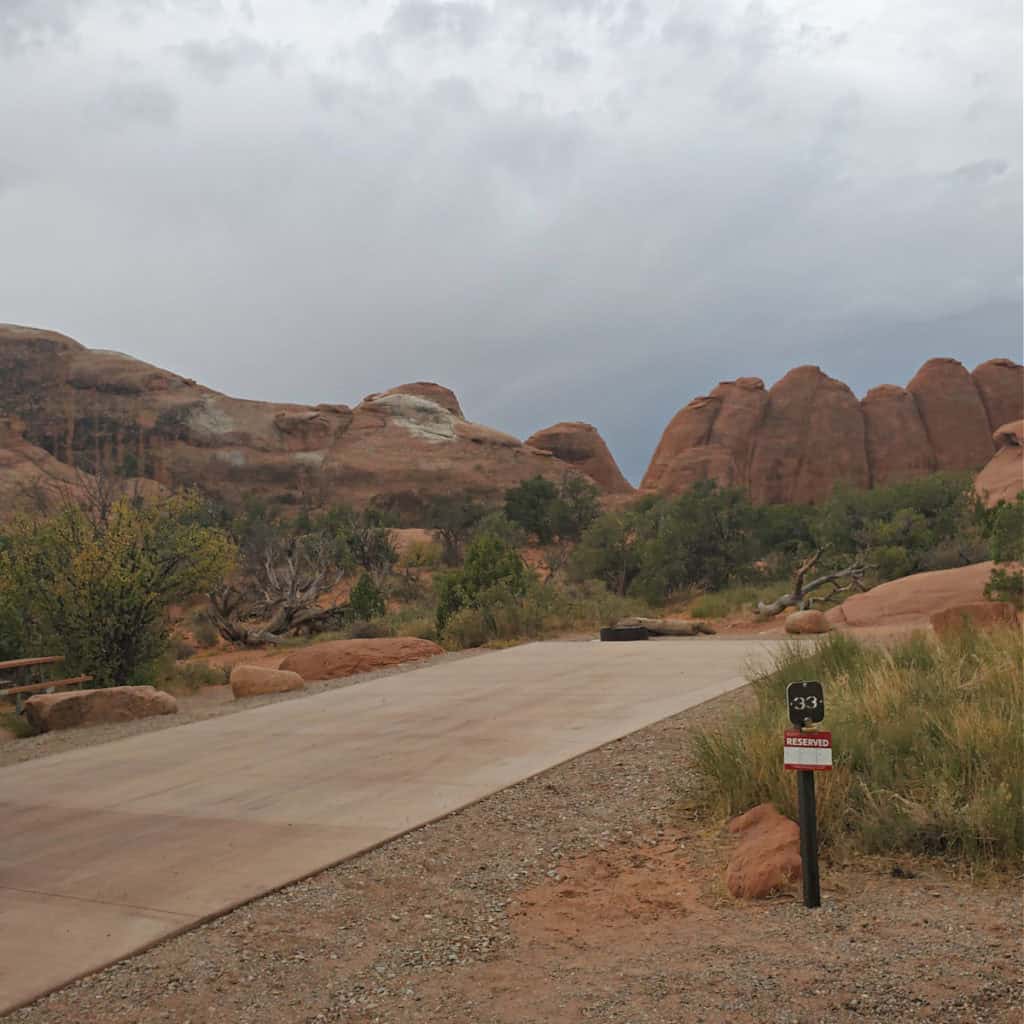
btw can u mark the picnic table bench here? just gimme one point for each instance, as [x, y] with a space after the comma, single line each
[47, 685]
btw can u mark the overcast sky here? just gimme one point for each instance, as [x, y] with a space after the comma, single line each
[563, 209]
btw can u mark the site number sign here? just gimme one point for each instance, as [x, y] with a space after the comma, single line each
[806, 703]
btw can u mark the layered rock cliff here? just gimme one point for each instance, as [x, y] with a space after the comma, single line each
[90, 408]
[795, 441]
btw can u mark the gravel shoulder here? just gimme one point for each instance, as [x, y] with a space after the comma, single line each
[590, 893]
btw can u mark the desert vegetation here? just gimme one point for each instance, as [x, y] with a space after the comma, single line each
[96, 580]
[929, 754]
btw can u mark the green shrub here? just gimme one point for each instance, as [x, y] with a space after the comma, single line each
[929, 752]
[366, 600]
[96, 588]
[489, 561]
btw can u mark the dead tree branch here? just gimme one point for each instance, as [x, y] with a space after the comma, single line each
[800, 596]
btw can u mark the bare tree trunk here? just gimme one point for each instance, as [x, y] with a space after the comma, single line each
[799, 596]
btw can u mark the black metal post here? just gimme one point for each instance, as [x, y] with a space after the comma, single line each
[809, 838]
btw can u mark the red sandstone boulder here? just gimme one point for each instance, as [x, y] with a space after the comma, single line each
[767, 859]
[1002, 479]
[580, 445]
[953, 415]
[1000, 383]
[977, 615]
[254, 681]
[911, 601]
[897, 444]
[337, 658]
[809, 621]
[49, 711]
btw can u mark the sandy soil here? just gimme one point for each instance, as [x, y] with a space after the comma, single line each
[591, 893]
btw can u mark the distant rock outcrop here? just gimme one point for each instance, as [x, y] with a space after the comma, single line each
[796, 441]
[1002, 479]
[70, 406]
[580, 445]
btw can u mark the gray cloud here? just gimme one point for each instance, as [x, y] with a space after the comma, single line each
[463, 23]
[689, 193]
[138, 101]
[34, 24]
[215, 61]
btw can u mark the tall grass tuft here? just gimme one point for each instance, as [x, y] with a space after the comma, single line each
[928, 738]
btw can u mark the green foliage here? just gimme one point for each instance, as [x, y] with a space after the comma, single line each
[1006, 585]
[530, 506]
[453, 519]
[501, 616]
[704, 538]
[1006, 544]
[608, 551]
[933, 522]
[96, 589]
[490, 562]
[550, 512]
[366, 600]
[929, 754]
[1006, 531]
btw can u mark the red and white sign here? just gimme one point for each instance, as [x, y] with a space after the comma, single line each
[808, 751]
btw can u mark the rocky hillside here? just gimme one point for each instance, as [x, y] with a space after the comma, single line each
[68, 405]
[794, 441]
[64, 405]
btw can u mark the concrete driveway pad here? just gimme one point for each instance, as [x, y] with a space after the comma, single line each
[108, 849]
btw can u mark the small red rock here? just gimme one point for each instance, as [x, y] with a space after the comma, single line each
[767, 859]
[338, 658]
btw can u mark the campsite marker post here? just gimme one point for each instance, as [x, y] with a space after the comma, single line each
[807, 752]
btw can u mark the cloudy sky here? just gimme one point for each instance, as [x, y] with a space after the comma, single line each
[563, 209]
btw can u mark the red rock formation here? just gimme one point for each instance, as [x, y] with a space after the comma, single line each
[808, 433]
[1002, 479]
[1000, 382]
[580, 445]
[91, 408]
[812, 436]
[710, 439]
[897, 444]
[436, 393]
[953, 414]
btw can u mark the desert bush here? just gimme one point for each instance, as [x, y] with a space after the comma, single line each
[1006, 545]
[97, 589]
[366, 600]
[929, 753]
[203, 630]
[369, 629]
[422, 555]
[187, 677]
[489, 562]
[551, 511]
[182, 648]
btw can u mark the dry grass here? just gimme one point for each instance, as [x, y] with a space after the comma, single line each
[929, 746]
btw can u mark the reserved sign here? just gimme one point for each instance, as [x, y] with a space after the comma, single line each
[808, 751]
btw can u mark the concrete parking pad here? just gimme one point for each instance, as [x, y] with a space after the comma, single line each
[111, 848]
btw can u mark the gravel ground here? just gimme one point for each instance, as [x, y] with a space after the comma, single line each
[210, 702]
[590, 893]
